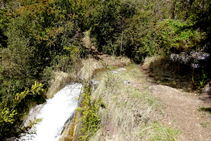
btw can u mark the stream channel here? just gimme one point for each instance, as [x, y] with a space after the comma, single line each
[53, 114]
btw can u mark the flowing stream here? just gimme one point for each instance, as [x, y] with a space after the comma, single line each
[54, 113]
[57, 110]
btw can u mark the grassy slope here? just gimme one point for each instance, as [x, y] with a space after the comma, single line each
[128, 105]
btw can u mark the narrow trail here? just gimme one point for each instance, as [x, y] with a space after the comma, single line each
[183, 111]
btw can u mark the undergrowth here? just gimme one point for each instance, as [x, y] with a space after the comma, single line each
[89, 109]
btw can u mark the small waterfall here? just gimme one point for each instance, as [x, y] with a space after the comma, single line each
[54, 113]
[57, 110]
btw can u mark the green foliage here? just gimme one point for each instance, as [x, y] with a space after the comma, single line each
[7, 116]
[12, 110]
[200, 15]
[138, 29]
[174, 35]
[36, 38]
[89, 109]
[5, 16]
[108, 21]
[203, 79]
[123, 28]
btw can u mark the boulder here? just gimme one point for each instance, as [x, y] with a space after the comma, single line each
[199, 59]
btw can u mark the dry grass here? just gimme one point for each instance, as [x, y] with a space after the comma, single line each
[82, 70]
[60, 79]
[127, 109]
[159, 133]
[89, 66]
[149, 60]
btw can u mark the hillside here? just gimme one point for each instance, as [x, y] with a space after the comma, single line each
[40, 39]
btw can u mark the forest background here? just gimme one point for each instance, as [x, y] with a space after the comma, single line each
[38, 37]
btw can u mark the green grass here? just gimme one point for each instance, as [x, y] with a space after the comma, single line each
[205, 124]
[205, 109]
[157, 132]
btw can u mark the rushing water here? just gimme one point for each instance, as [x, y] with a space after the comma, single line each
[54, 113]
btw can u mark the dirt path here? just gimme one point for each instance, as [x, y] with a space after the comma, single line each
[183, 111]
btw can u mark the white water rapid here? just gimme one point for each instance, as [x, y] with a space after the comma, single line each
[54, 113]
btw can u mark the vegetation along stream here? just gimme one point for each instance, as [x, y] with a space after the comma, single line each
[51, 116]
[65, 64]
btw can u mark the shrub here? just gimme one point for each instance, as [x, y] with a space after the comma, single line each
[89, 110]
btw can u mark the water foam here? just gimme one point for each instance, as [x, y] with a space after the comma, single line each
[55, 113]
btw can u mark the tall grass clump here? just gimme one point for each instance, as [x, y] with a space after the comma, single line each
[157, 132]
